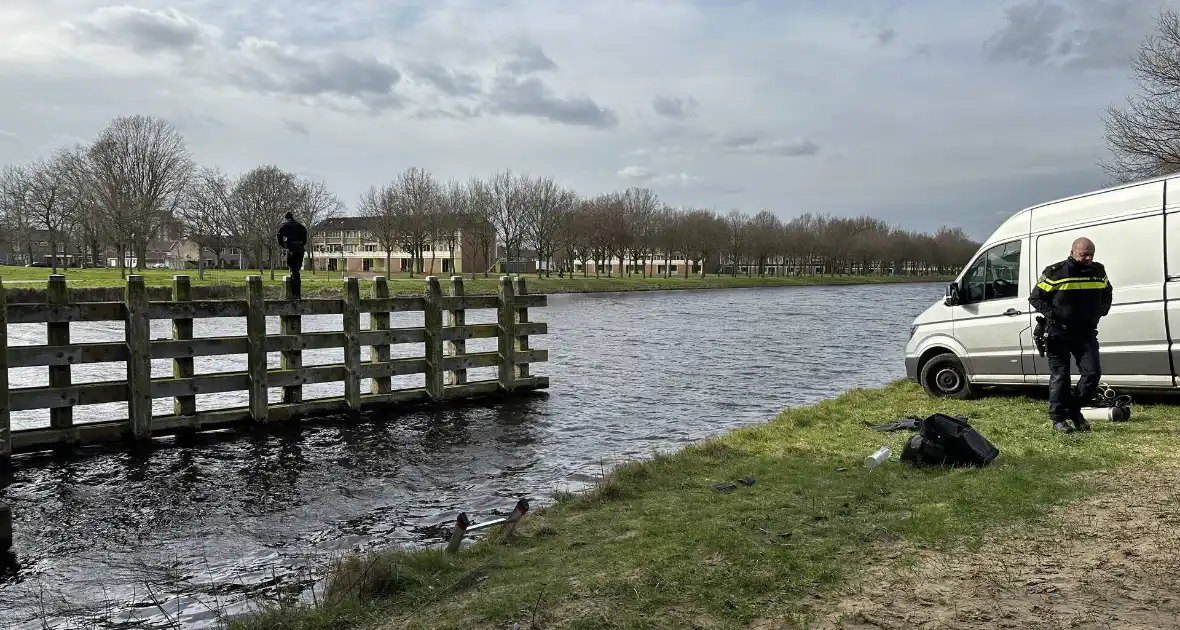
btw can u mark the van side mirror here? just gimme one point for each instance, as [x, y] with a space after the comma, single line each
[952, 294]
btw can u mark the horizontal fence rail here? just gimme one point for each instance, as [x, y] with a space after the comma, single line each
[444, 361]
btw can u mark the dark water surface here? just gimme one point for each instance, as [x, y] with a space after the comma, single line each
[114, 539]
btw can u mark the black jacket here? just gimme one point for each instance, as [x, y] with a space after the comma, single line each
[1072, 296]
[292, 235]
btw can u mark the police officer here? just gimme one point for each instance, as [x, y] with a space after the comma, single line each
[1072, 295]
[293, 238]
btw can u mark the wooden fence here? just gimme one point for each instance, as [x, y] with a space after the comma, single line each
[444, 361]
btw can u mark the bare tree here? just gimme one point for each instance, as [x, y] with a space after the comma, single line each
[16, 205]
[546, 205]
[415, 197]
[376, 205]
[640, 207]
[453, 204]
[1144, 136]
[478, 224]
[509, 210]
[317, 205]
[141, 166]
[206, 212]
[260, 199]
[53, 201]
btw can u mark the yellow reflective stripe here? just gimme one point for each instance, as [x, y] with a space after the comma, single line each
[1081, 285]
[1072, 279]
[1045, 286]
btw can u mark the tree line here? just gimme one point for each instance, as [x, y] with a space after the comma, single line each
[137, 182]
[516, 216]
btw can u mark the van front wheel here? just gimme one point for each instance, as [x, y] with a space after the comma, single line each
[943, 376]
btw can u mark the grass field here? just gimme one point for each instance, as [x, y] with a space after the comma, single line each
[1061, 531]
[329, 283]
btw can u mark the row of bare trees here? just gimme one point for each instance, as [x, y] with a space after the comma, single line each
[531, 216]
[137, 182]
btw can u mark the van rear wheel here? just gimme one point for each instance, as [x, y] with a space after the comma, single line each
[944, 376]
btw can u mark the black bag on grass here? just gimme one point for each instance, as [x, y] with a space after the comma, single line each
[944, 440]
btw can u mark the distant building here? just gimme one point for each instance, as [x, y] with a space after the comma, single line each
[348, 244]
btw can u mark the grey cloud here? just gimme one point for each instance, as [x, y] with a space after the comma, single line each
[529, 58]
[10, 139]
[145, 31]
[531, 97]
[451, 83]
[255, 64]
[644, 175]
[294, 126]
[675, 107]
[195, 121]
[458, 112]
[884, 36]
[268, 68]
[754, 144]
[1085, 34]
[1029, 34]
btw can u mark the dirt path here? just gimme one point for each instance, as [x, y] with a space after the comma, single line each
[1110, 562]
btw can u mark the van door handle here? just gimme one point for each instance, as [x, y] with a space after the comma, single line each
[1011, 311]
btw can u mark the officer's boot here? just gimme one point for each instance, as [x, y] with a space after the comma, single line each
[1061, 426]
[1079, 422]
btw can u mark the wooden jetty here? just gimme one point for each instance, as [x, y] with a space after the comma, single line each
[444, 360]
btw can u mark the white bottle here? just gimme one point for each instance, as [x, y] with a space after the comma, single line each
[877, 458]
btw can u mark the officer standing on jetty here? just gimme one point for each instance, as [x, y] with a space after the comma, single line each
[1072, 295]
[293, 238]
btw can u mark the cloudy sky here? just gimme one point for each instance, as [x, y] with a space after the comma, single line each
[922, 112]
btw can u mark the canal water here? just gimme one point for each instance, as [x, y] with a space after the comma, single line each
[183, 534]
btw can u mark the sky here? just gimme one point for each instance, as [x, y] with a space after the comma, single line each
[922, 113]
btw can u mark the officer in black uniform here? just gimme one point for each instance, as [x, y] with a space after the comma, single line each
[1072, 295]
[293, 238]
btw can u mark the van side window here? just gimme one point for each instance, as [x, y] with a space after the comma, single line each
[995, 275]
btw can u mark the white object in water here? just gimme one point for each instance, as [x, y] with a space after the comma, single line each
[877, 458]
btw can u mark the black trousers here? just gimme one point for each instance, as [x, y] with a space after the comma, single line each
[1064, 399]
[294, 264]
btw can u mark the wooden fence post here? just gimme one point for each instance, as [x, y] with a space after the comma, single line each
[182, 330]
[380, 353]
[457, 317]
[5, 412]
[5, 532]
[58, 334]
[291, 359]
[433, 320]
[139, 360]
[522, 341]
[256, 347]
[507, 336]
[352, 343]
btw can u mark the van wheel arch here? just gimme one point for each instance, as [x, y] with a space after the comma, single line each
[943, 375]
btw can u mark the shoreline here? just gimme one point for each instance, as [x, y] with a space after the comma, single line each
[89, 286]
[678, 540]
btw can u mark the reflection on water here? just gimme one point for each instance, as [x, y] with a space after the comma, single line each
[199, 526]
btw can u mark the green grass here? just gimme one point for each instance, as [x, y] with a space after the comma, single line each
[654, 545]
[325, 283]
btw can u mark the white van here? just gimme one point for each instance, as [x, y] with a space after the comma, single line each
[981, 333]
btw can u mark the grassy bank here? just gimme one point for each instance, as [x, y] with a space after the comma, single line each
[656, 545]
[328, 283]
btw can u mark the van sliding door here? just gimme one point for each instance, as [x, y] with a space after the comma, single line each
[1171, 236]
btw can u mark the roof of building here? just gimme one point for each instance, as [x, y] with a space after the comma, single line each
[346, 223]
